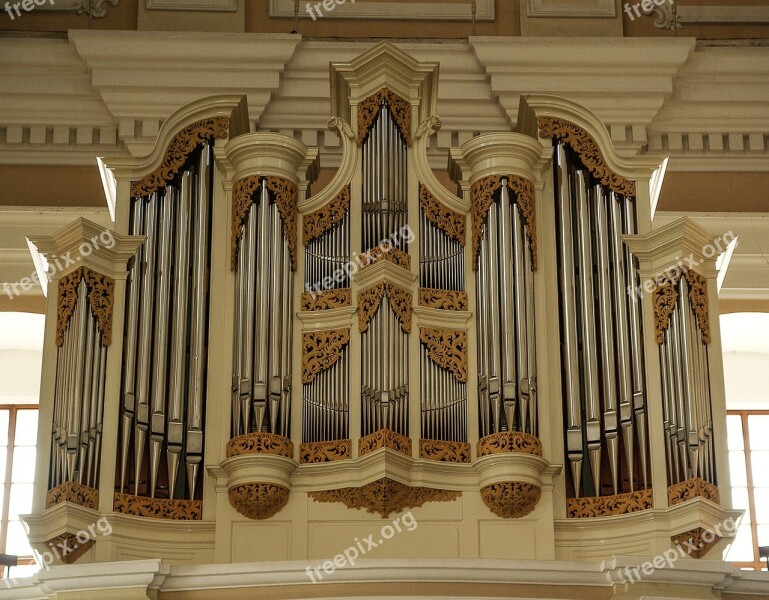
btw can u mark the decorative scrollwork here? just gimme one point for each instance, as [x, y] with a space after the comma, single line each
[447, 348]
[258, 500]
[158, 508]
[260, 442]
[443, 299]
[587, 150]
[320, 350]
[698, 299]
[320, 221]
[242, 199]
[369, 108]
[693, 488]
[395, 256]
[74, 493]
[511, 499]
[385, 496]
[695, 542]
[183, 144]
[441, 451]
[285, 197]
[322, 452]
[401, 302]
[524, 194]
[68, 548]
[384, 438]
[482, 194]
[327, 299]
[509, 441]
[664, 299]
[603, 506]
[101, 297]
[448, 221]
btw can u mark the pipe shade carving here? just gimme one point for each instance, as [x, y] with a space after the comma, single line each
[321, 452]
[322, 220]
[400, 301]
[258, 501]
[369, 109]
[158, 508]
[665, 297]
[603, 506]
[321, 349]
[448, 221]
[447, 348]
[101, 298]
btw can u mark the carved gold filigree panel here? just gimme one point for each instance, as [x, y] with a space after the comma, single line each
[260, 442]
[384, 438]
[258, 500]
[696, 542]
[67, 548]
[693, 488]
[448, 221]
[180, 148]
[321, 452]
[511, 499]
[509, 441]
[74, 493]
[101, 298]
[158, 508]
[664, 299]
[591, 156]
[603, 506]
[482, 194]
[369, 108]
[441, 451]
[385, 496]
[666, 295]
[389, 254]
[326, 299]
[447, 348]
[242, 199]
[401, 302]
[443, 299]
[285, 197]
[698, 299]
[523, 190]
[320, 350]
[322, 220]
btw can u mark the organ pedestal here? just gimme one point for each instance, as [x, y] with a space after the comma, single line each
[291, 366]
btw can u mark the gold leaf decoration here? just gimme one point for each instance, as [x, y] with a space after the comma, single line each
[511, 499]
[696, 542]
[698, 300]
[369, 108]
[384, 438]
[602, 506]
[242, 198]
[320, 350]
[67, 548]
[385, 496]
[158, 508]
[443, 299]
[509, 441]
[322, 220]
[180, 148]
[101, 297]
[447, 348]
[74, 493]
[322, 452]
[401, 302]
[285, 197]
[587, 150]
[692, 488]
[448, 221]
[666, 295]
[442, 451]
[326, 299]
[260, 442]
[258, 500]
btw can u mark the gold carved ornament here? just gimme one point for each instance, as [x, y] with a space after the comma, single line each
[369, 108]
[384, 438]
[74, 493]
[322, 220]
[442, 299]
[385, 496]
[698, 300]
[67, 548]
[326, 299]
[448, 221]
[509, 441]
[447, 348]
[391, 254]
[511, 499]
[320, 350]
[180, 148]
[285, 197]
[101, 298]
[693, 488]
[442, 451]
[260, 442]
[523, 190]
[664, 299]
[258, 500]
[666, 295]
[401, 302]
[242, 198]
[322, 452]
[158, 508]
[696, 542]
[591, 156]
[602, 506]
[482, 194]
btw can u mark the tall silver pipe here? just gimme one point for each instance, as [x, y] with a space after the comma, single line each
[509, 323]
[261, 358]
[521, 318]
[276, 340]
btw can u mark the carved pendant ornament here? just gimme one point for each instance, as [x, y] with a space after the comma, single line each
[258, 500]
[447, 348]
[602, 506]
[322, 220]
[180, 148]
[511, 499]
[283, 194]
[591, 156]
[666, 295]
[400, 300]
[483, 194]
[320, 350]
[369, 108]
[696, 542]
[158, 508]
[448, 221]
[101, 298]
[326, 299]
[443, 299]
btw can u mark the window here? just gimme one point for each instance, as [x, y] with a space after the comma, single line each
[749, 466]
[18, 439]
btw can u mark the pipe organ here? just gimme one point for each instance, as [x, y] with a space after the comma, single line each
[382, 343]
